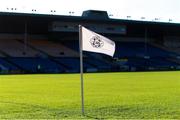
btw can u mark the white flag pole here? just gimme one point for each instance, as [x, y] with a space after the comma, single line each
[81, 68]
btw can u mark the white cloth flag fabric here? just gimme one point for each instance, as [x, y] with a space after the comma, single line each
[94, 42]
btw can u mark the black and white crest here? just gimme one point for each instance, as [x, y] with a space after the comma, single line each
[96, 42]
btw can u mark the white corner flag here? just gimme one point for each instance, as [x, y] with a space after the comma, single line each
[94, 42]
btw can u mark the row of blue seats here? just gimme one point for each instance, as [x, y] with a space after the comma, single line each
[130, 49]
[6, 65]
[36, 64]
[61, 65]
[73, 64]
[123, 49]
[91, 59]
[154, 62]
[53, 65]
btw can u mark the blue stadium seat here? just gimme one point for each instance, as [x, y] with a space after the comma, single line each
[32, 64]
[137, 49]
[73, 64]
[7, 65]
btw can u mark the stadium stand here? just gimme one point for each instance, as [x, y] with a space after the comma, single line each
[15, 49]
[138, 55]
[73, 64]
[54, 49]
[139, 49]
[141, 56]
[6, 66]
[49, 44]
[34, 65]
[1, 54]
[44, 56]
[94, 59]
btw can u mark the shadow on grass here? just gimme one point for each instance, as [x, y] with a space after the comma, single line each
[94, 117]
[108, 112]
[32, 111]
[24, 110]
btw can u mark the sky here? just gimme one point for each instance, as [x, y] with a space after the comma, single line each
[162, 10]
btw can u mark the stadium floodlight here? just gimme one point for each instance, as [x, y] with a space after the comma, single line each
[53, 11]
[143, 18]
[110, 15]
[170, 20]
[156, 18]
[34, 10]
[71, 12]
[12, 9]
[128, 17]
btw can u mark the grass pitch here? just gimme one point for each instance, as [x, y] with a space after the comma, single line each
[107, 96]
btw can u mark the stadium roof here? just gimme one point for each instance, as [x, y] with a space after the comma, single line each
[145, 10]
[85, 17]
[17, 20]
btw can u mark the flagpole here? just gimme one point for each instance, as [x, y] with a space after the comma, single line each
[81, 69]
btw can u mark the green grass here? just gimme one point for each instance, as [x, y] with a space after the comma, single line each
[107, 96]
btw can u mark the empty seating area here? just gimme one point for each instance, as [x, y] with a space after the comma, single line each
[43, 56]
[6, 66]
[73, 44]
[145, 64]
[1, 55]
[144, 56]
[50, 44]
[139, 49]
[138, 54]
[52, 48]
[14, 48]
[74, 64]
[101, 65]
[34, 65]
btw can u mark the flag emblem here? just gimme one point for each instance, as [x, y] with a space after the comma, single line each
[93, 42]
[96, 42]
